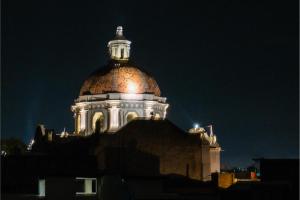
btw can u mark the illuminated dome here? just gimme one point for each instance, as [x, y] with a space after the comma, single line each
[117, 93]
[119, 77]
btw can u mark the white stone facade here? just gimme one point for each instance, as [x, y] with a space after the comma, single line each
[115, 110]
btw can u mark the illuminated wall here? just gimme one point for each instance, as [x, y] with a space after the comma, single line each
[116, 111]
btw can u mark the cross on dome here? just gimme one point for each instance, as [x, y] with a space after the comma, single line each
[119, 31]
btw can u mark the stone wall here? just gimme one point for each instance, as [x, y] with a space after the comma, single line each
[152, 148]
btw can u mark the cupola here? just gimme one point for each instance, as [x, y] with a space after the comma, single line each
[119, 47]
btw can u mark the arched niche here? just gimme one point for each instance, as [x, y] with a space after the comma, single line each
[130, 116]
[157, 116]
[98, 122]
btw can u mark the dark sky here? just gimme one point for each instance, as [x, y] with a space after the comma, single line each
[231, 64]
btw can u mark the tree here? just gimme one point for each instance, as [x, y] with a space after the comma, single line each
[13, 146]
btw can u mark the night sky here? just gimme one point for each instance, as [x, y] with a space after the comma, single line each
[230, 64]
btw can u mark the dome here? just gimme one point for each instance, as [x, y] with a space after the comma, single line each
[120, 77]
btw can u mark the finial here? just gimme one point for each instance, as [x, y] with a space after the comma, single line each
[119, 31]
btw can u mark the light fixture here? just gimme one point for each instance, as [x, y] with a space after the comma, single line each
[131, 87]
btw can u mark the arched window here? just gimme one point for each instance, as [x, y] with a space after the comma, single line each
[130, 116]
[98, 122]
[122, 53]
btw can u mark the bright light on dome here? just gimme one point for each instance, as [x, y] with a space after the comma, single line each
[131, 88]
[196, 126]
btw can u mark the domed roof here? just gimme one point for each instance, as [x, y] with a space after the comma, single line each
[119, 77]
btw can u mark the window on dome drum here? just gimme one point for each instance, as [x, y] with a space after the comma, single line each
[130, 116]
[78, 121]
[98, 122]
[122, 53]
[86, 186]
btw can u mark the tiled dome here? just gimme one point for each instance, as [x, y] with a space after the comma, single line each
[120, 77]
